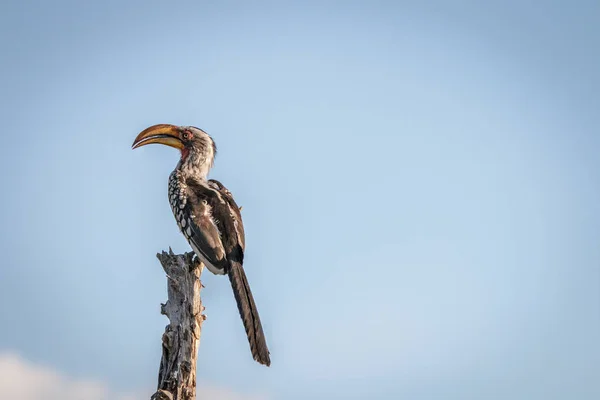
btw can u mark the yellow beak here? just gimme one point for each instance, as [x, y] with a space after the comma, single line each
[162, 133]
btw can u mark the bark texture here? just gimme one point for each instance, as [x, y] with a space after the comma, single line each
[177, 373]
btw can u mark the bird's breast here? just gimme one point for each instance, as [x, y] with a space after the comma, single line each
[179, 199]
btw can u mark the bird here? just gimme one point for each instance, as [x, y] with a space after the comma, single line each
[209, 218]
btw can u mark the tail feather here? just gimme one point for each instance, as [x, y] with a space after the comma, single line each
[249, 313]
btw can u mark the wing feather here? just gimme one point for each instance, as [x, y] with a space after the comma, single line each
[203, 232]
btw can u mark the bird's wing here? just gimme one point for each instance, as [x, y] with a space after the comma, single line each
[203, 231]
[231, 214]
[216, 225]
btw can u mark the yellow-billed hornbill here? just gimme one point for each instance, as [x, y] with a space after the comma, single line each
[209, 218]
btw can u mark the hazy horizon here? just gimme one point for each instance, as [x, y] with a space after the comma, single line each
[419, 184]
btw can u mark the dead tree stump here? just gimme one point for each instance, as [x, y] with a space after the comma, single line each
[177, 373]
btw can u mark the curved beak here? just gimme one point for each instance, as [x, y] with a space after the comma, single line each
[162, 133]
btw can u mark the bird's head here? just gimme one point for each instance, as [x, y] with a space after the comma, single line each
[198, 150]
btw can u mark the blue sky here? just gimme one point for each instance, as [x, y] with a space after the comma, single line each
[419, 182]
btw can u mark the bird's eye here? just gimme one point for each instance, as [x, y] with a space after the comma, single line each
[186, 135]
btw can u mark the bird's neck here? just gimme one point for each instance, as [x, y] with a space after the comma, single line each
[196, 171]
[196, 164]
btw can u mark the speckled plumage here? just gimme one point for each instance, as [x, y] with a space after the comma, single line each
[211, 222]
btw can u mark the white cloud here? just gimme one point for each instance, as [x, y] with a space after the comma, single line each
[23, 380]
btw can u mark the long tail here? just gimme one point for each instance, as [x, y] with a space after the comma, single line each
[249, 313]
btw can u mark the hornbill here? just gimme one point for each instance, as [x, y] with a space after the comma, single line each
[209, 218]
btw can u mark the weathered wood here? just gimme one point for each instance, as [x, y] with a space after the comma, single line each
[177, 373]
